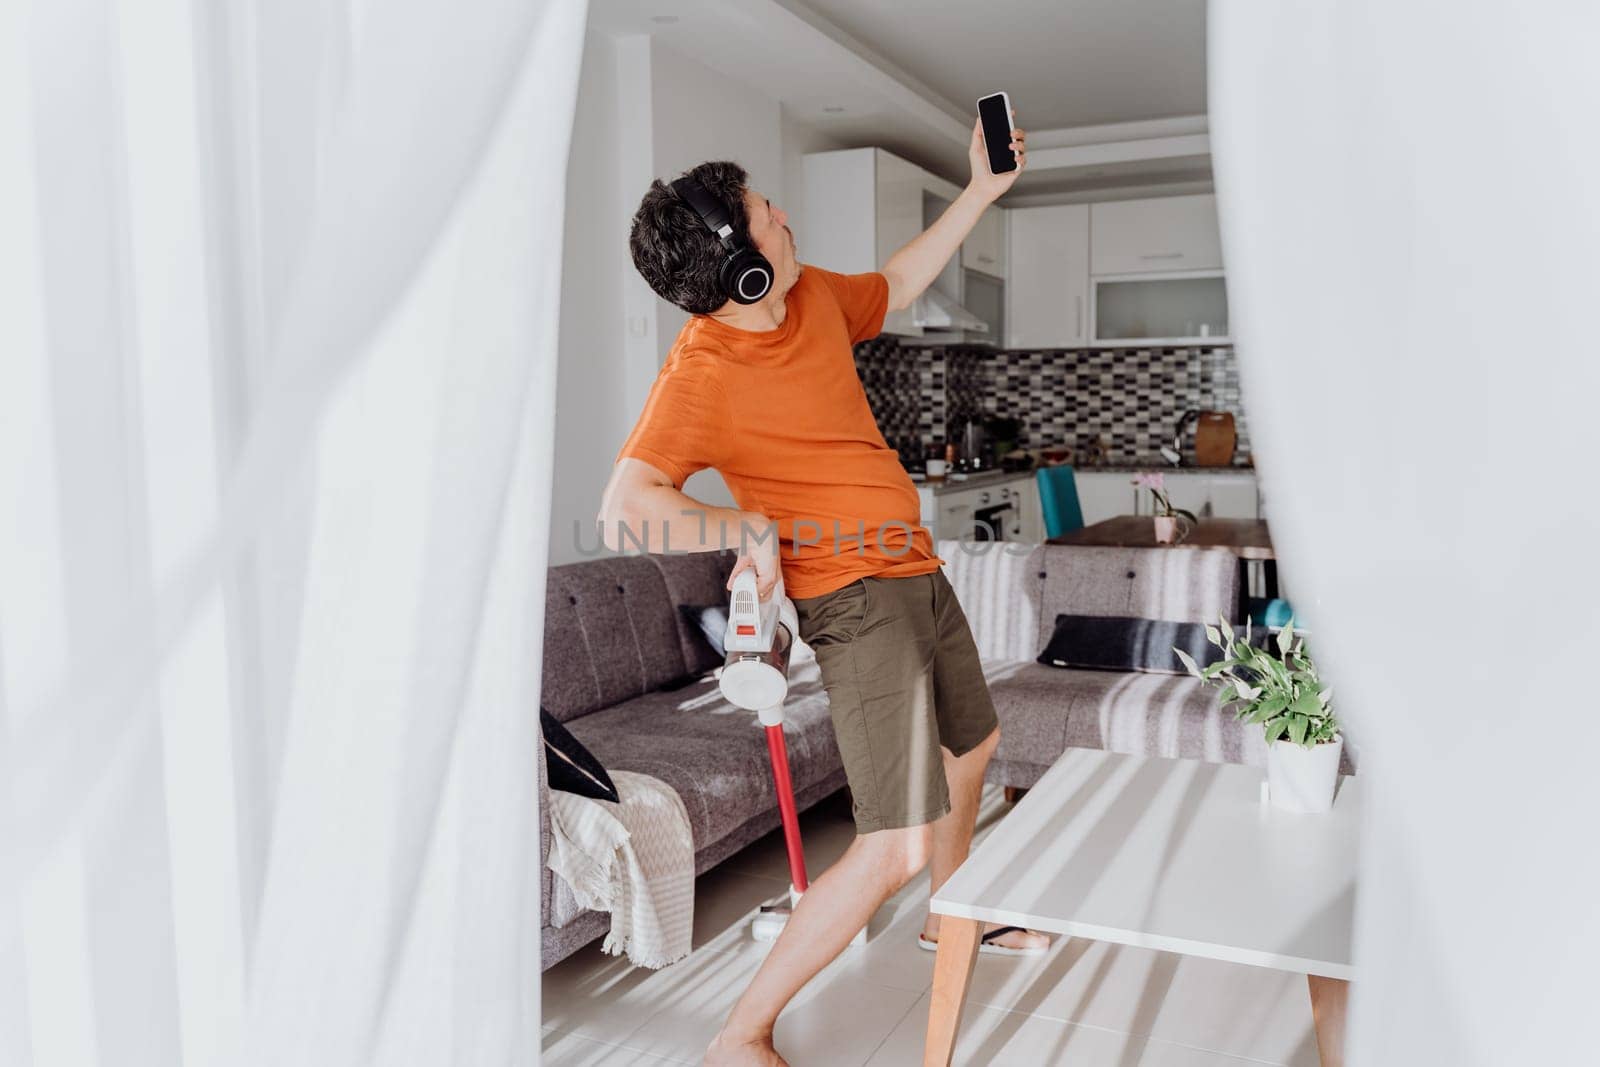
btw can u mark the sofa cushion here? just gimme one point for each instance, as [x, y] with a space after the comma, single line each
[713, 754]
[1177, 584]
[1101, 642]
[610, 633]
[1045, 710]
[695, 579]
[571, 767]
[998, 585]
[1033, 703]
[711, 622]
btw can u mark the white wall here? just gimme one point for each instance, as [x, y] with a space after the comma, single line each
[591, 368]
[644, 111]
[798, 138]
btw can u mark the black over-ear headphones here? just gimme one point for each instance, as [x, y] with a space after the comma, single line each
[745, 275]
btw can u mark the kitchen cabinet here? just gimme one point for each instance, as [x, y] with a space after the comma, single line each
[1184, 306]
[1104, 494]
[951, 513]
[1047, 283]
[985, 247]
[1210, 494]
[1161, 234]
[862, 206]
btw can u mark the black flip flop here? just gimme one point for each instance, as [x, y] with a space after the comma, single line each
[986, 943]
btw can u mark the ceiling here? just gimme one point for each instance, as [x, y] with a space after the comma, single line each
[880, 72]
[1063, 62]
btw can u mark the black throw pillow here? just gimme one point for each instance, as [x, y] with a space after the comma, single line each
[1107, 643]
[571, 767]
[712, 622]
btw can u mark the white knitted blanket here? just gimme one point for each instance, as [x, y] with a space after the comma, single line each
[635, 859]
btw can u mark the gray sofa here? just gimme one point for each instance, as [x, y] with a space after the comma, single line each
[1012, 597]
[629, 676]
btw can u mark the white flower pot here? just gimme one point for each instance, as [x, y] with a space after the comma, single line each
[1303, 779]
[1166, 529]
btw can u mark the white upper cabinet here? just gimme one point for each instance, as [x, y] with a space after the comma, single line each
[1166, 234]
[1047, 283]
[985, 247]
[862, 205]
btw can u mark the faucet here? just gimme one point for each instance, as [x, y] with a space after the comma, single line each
[1173, 453]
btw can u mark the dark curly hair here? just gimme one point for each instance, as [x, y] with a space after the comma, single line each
[675, 251]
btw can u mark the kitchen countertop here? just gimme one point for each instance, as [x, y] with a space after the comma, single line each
[996, 477]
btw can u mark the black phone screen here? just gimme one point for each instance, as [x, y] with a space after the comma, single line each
[997, 133]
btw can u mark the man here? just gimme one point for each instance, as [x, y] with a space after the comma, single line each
[767, 393]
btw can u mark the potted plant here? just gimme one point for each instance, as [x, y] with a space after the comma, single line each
[1293, 706]
[1166, 516]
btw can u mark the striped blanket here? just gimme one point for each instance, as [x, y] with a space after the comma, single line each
[635, 859]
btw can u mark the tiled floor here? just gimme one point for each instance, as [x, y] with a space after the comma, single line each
[1083, 1003]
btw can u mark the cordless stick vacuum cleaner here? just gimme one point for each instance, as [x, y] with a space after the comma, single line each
[755, 676]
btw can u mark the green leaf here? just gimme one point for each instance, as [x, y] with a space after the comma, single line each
[1188, 662]
[1275, 729]
[1228, 695]
[1273, 704]
[1191, 516]
[1226, 628]
[1306, 704]
[1297, 728]
[1286, 638]
[1214, 635]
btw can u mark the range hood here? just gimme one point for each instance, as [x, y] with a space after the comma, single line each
[935, 311]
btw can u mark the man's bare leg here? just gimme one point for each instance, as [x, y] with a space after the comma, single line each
[833, 908]
[952, 835]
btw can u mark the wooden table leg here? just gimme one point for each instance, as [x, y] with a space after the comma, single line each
[952, 973]
[1328, 999]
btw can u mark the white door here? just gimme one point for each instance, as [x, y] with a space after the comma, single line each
[1047, 279]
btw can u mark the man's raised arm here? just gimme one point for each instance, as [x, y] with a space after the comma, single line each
[913, 268]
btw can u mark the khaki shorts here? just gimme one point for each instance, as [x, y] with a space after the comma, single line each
[903, 679]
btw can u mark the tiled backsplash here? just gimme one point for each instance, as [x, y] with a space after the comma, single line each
[1130, 398]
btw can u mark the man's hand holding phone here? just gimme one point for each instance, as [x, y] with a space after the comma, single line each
[995, 120]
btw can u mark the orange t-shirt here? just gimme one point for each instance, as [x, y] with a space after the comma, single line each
[782, 415]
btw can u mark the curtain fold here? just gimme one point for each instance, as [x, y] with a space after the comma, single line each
[1409, 221]
[279, 334]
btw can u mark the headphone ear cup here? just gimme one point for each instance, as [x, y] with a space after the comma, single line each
[746, 276]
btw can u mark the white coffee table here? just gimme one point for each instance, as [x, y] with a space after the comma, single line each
[1174, 855]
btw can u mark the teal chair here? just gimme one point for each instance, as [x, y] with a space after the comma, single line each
[1273, 613]
[1058, 500]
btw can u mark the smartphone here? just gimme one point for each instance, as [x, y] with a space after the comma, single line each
[994, 111]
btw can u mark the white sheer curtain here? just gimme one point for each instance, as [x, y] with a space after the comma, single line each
[1408, 206]
[278, 295]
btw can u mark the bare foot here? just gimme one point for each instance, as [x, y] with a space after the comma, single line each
[1024, 939]
[729, 1052]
